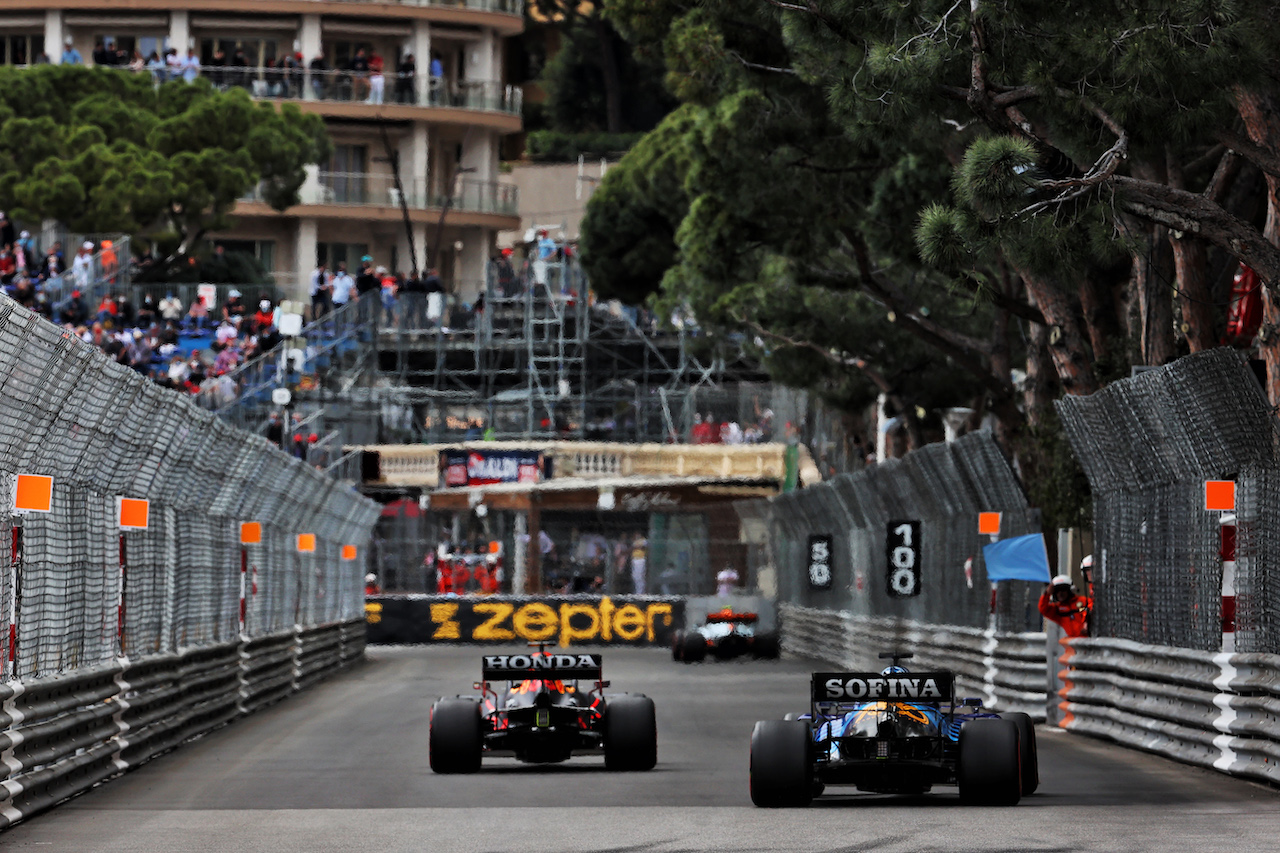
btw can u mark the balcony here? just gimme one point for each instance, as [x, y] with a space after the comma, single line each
[354, 189]
[511, 7]
[348, 87]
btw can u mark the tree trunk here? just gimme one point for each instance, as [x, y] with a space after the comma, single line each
[1065, 338]
[612, 77]
[1263, 126]
[1150, 279]
[1037, 391]
[1189, 261]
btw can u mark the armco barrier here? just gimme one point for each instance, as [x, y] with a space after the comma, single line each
[1007, 671]
[64, 734]
[1212, 709]
[622, 619]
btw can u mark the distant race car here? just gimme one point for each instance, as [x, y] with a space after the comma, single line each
[541, 714]
[725, 635]
[892, 732]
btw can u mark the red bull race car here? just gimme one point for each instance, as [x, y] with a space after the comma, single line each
[725, 635]
[892, 732]
[546, 708]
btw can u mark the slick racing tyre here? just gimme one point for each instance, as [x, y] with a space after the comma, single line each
[990, 771]
[677, 645]
[630, 734]
[694, 647]
[455, 740]
[1026, 749]
[767, 646]
[781, 773]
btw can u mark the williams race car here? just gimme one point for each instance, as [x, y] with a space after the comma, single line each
[541, 714]
[893, 732]
[725, 635]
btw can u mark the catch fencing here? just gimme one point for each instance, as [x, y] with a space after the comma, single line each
[77, 593]
[942, 488]
[1147, 445]
[77, 590]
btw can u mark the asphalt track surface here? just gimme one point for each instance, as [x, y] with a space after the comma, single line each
[343, 767]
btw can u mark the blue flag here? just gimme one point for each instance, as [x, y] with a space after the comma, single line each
[1023, 558]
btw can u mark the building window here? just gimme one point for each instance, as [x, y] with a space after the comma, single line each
[21, 50]
[263, 250]
[349, 254]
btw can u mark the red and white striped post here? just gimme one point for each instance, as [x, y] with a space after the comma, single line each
[1220, 496]
[1228, 552]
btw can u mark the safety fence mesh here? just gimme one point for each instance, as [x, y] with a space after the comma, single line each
[943, 487]
[1147, 445]
[76, 591]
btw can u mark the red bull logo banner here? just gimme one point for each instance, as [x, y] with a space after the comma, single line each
[490, 467]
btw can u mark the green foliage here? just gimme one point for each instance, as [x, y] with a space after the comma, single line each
[555, 146]
[103, 150]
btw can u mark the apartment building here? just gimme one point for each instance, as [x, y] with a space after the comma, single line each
[440, 123]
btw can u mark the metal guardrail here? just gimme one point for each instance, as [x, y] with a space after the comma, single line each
[1214, 710]
[1007, 671]
[65, 734]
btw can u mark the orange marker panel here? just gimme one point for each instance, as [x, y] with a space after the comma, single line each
[134, 513]
[1219, 495]
[34, 493]
[250, 532]
[306, 543]
[989, 523]
[348, 552]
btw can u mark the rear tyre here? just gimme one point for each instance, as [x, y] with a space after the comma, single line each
[677, 645]
[781, 773]
[990, 767]
[694, 647]
[1027, 751]
[767, 646]
[455, 740]
[630, 734]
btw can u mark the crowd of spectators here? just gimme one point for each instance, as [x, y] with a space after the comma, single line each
[707, 429]
[363, 77]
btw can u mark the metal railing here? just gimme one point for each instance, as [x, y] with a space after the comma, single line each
[511, 7]
[389, 87]
[372, 189]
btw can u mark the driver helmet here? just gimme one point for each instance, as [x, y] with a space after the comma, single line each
[893, 670]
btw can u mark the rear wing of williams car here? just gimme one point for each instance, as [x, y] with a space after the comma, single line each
[859, 687]
[544, 665]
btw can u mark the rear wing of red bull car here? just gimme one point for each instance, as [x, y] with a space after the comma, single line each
[544, 665]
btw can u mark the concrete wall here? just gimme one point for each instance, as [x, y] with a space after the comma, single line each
[548, 197]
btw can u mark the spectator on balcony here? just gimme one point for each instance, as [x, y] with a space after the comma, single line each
[413, 296]
[218, 68]
[137, 62]
[156, 66]
[434, 290]
[102, 55]
[291, 75]
[321, 291]
[437, 78]
[239, 71]
[319, 76]
[377, 81]
[406, 78]
[359, 68]
[172, 64]
[71, 56]
[272, 80]
[191, 66]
